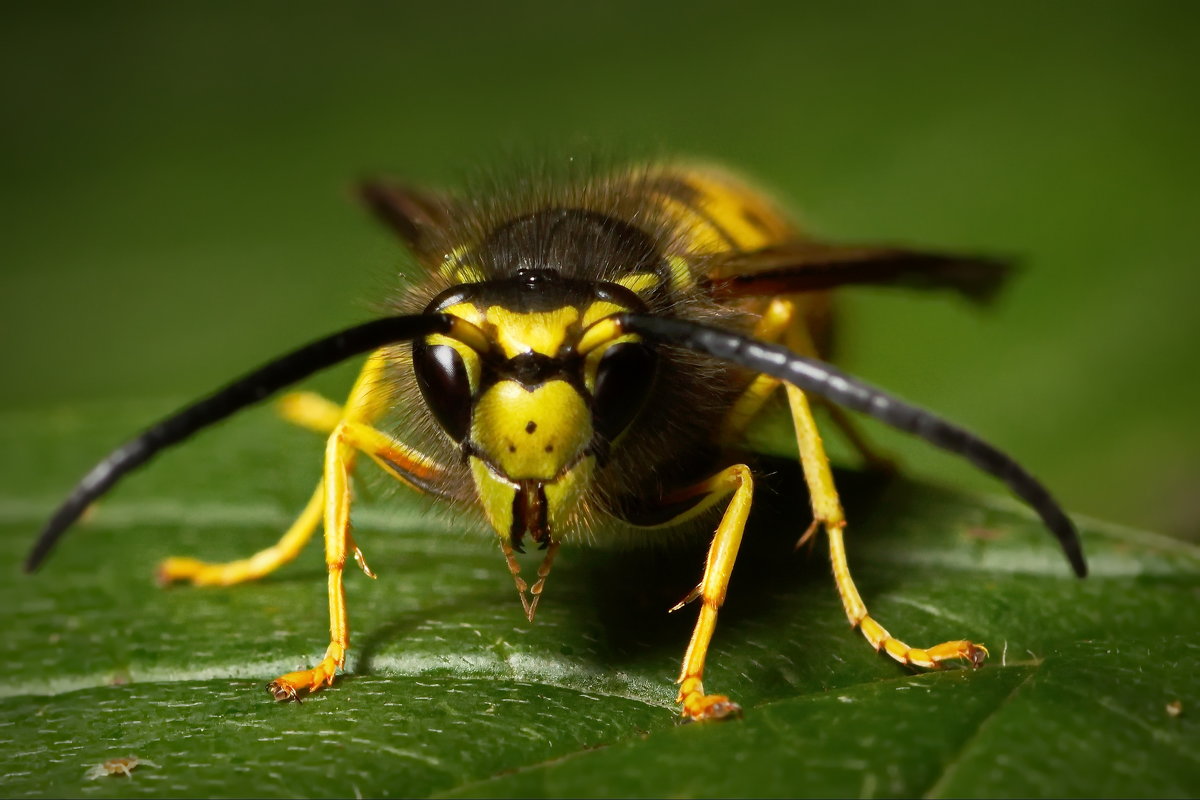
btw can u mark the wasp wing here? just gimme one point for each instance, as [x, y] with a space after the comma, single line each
[804, 266]
[417, 216]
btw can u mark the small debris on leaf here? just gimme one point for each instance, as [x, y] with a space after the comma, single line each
[124, 765]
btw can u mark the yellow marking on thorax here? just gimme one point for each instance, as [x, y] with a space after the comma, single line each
[453, 268]
[700, 237]
[720, 214]
[682, 277]
[747, 219]
[537, 331]
[637, 283]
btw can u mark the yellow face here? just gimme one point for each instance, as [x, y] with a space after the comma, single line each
[533, 412]
[532, 461]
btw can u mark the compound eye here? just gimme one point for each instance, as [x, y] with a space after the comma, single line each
[623, 380]
[442, 378]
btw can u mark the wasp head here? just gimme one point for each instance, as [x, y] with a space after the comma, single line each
[535, 396]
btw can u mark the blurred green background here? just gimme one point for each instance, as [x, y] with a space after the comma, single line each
[175, 206]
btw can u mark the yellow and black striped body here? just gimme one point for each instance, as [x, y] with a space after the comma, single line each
[512, 379]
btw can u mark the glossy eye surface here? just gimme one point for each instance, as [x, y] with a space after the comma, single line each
[623, 380]
[442, 378]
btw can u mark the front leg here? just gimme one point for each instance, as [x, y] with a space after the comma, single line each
[401, 462]
[339, 460]
[696, 705]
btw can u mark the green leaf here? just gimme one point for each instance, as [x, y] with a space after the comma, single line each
[449, 691]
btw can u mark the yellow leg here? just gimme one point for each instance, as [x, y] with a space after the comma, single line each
[771, 327]
[696, 705]
[350, 433]
[204, 573]
[339, 461]
[310, 410]
[347, 440]
[827, 509]
[778, 323]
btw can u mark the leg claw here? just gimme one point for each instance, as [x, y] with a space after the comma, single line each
[710, 708]
[288, 687]
[283, 692]
[179, 570]
[977, 654]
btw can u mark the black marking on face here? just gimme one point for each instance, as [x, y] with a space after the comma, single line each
[532, 370]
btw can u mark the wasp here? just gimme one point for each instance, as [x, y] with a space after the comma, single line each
[580, 359]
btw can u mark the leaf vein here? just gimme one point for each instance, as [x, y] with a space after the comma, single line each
[952, 763]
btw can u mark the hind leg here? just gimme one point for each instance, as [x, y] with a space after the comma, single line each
[827, 511]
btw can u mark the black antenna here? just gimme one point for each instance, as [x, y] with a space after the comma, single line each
[821, 379]
[245, 391]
